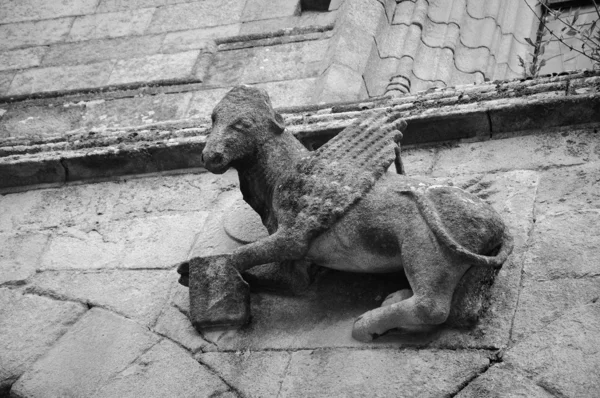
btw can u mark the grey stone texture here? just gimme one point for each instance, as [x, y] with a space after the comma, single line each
[31, 10]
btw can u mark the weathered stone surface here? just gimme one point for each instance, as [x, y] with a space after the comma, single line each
[34, 33]
[31, 10]
[525, 152]
[380, 373]
[25, 58]
[543, 302]
[20, 256]
[101, 26]
[569, 189]
[202, 39]
[290, 92]
[33, 170]
[501, 381]
[307, 18]
[35, 122]
[350, 47]
[154, 68]
[5, 80]
[203, 102]
[417, 161]
[175, 325]
[378, 72]
[165, 370]
[92, 352]
[136, 294]
[100, 50]
[119, 5]
[366, 15]
[206, 13]
[338, 83]
[254, 373]
[563, 358]
[29, 326]
[257, 9]
[262, 64]
[566, 245]
[243, 224]
[151, 242]
[137, 111]
[60, 78]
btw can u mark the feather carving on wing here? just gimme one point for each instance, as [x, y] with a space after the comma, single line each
[327, 182]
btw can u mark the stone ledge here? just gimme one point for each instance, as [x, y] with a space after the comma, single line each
[472, 112]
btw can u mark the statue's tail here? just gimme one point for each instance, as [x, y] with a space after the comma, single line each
[435, 223]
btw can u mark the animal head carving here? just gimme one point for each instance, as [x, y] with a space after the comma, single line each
[242, 121]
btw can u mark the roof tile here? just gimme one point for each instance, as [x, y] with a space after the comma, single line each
[440, 34]
[478, 32]
[433, 63]
[447, 12]
[391, 41]
[482, 9]
[471, 60]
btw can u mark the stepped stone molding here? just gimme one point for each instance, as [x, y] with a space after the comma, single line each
[435, 43]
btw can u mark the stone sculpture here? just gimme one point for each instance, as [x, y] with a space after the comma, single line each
[337, 208]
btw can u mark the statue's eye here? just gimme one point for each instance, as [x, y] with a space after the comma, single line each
[241, 124]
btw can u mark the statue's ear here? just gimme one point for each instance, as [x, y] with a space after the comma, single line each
[277, 123]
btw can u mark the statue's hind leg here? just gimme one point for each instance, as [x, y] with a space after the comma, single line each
[433, 276]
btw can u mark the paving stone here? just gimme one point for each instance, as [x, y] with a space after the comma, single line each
[543, 302]
[566, 245]
[198, 39]
[29, 326]
[569, 189]
[32, 10]
[262, 64]
[90, 354]
[257, 9]
[254, 373]
[380, 373]
[524, 152]
[38, 122]
[165, 370]
[100, 50]
[20, 257]
[563, 358]
[34, 33]
[338, 83]
[154, 68]
[501, 381]
[5, 79]
[19, 59]
[175, 325]
[307, 18]
[137, 111]
[117, 24]
[61, 78]
[139, 295]
[206, 13]
[120, 5]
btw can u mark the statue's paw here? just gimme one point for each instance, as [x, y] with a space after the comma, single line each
[397, 297]
[362, 330]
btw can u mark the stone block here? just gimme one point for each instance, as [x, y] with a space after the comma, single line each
[29, 326]
[6, 79]
[367, 15]
[136, 111]
[254, 373]
[38, 33]
[120, 5]
[306, 19]
[524, 152]
[462, 123]
[165, 370]
[206, 13]
[118, 24]
[350, 47]
[157, 67]
[378, 73]
[39, 122]
[257, 9]
[100, 50]
[501, 381]
[20, 257]
[563, 357]
[565, 245]
[61, 78]
[288, 93]
[543, 302]
[203, 102]
[198, 39]
[17, 209]
[32, 10]
[87, 357]
[338, 83]
[32, 170]
[138, 295]
[380, 373]
[20, 59]
[175, 325]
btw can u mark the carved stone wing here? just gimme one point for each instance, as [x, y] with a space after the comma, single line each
[329, 180]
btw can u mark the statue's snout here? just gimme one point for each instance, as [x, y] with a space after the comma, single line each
[214, 161]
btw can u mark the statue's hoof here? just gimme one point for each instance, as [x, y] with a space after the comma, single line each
[361, 330]
[184, 271]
